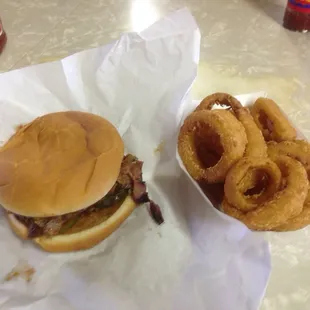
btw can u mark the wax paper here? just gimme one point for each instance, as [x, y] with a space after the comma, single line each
[198, 259]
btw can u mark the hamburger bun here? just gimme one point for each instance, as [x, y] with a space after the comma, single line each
[82, 240]
[60, 163]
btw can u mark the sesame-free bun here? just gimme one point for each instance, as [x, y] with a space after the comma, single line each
[59, 163]
[78, 241]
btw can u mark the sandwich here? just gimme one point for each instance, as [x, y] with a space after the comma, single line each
[66, 184]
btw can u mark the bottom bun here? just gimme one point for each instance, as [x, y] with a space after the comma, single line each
[82, 240]
[18, 227]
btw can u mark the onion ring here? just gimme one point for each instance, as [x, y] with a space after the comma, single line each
[271, 121]
[245, 175]
[209, 143]
[222, 99]
[256, 144]
[284, 204]
[298, 222]
[299, 150]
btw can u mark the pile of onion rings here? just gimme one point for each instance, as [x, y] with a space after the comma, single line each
[253, 155]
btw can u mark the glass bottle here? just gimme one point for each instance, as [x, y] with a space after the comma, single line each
[297, 15]
[2, 37]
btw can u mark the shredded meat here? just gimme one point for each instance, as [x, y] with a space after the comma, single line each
[155, 212]
[139, 192]
[135, 171]
[129, 181]
[53, 226]
[33, 229]
[131, 169]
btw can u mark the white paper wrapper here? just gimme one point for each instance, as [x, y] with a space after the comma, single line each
[198, 259]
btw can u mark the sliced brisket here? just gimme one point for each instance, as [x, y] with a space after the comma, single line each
[139, 192]
[155, 213]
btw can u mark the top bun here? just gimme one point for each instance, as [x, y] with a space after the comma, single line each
[59, 163]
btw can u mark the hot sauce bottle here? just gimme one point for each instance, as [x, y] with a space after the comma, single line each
[297, 15]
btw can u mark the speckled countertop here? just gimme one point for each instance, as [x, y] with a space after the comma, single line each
[244, 48]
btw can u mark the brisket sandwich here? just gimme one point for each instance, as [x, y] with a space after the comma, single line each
[65, 182]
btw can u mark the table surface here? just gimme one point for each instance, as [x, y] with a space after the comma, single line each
[244, 49]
